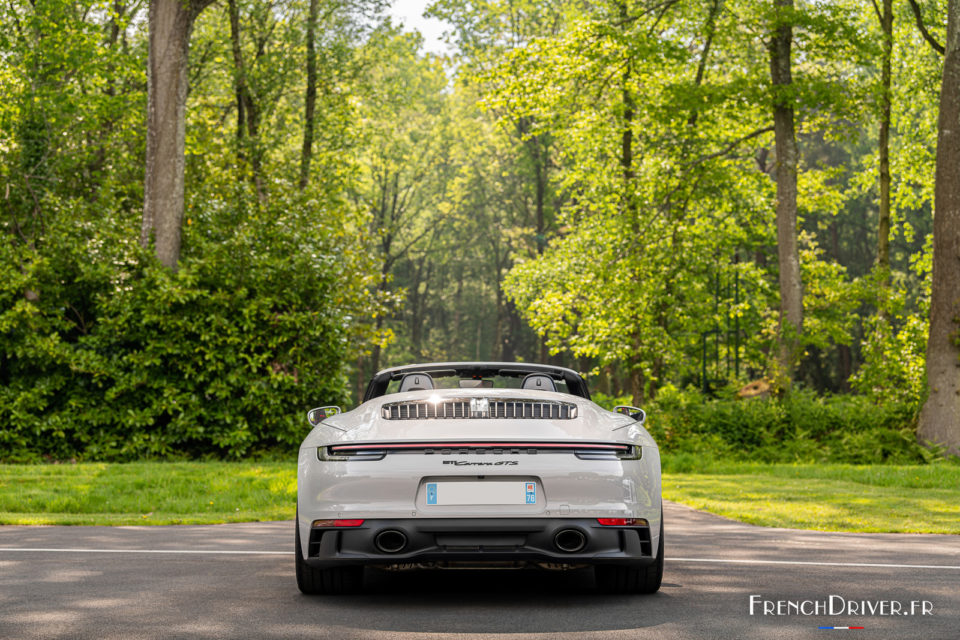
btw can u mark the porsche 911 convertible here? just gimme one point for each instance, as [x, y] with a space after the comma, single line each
[486, 465]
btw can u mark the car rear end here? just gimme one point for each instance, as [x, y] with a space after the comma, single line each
[496, 480]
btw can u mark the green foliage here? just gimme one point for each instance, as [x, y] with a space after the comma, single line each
[593, 181]
[105, 355]
[799, 428]
[118, 358]
[895, 344]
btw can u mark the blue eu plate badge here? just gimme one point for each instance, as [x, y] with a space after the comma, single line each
[531, 493]
[431, 493]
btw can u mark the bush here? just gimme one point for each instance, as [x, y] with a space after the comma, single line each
[799, 428]
[106, 355]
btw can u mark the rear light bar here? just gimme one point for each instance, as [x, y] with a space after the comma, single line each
[342, 448]
[326, 524]
[584, 450]
[622, 522]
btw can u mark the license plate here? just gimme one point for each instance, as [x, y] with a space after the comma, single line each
[467, 493]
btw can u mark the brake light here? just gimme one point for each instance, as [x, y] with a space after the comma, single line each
[323, 524]
[621, 522]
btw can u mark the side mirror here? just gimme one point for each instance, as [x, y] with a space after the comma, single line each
[634, 412]
[318, 415]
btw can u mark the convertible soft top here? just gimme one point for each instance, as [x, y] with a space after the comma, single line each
[576, 385]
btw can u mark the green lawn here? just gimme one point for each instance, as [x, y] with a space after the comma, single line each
[830, 497]
[147, 493]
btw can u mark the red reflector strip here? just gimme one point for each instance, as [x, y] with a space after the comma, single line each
[482, 445]
[620, 522]
[318, 524]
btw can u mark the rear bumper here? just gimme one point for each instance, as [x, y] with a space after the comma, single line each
[458, 541]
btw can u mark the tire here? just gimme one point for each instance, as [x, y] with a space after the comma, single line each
[628, 579]
[333, 581]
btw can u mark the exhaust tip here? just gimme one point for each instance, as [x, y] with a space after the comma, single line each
[570, 540]
[390, 541]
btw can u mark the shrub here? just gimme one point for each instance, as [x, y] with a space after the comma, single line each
[800, 427]
[113, 357]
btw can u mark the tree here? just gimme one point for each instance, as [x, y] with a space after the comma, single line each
[405, 155]
[310, 97]
[170, 24]
[883, 228]
[940, 417]
[791, 286]
[249, 148]
[660, 178]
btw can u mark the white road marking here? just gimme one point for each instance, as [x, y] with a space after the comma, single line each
[227, 552]
[815, 564]
[222, 552]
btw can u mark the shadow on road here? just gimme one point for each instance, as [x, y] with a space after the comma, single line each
[503, 601]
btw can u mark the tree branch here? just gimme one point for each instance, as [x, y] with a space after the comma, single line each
[923, 29]
[730, 147]
[876, 9]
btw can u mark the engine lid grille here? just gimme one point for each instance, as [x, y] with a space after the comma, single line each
[479, 408]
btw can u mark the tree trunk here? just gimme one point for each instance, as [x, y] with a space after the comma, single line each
[940, 417]
[514, 326]
[310, 100]
[375, 352]
[239, 79]
[457, 344]
[248, 111]
[791, 291]
[417, 303]
[496, 351]
[883, 228]
[361, 379]
[844, 367]
[636, 384]
[537, 148]
[170, 24]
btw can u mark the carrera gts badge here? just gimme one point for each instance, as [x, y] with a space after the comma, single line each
[464, 463]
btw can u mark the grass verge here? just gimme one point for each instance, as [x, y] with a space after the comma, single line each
[825, 497]
[147, 493]
[828, 497]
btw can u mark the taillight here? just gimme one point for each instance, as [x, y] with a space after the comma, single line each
[617, 452]
[326, 524]
[336, 453]
[622, 522]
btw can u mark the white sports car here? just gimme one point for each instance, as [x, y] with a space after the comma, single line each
[478, 465]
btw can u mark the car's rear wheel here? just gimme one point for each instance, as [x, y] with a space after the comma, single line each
[331, 581]
[628, 579]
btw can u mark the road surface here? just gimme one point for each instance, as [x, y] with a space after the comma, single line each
[237, 581]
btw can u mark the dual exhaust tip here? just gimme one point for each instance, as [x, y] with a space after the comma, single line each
[395, 541]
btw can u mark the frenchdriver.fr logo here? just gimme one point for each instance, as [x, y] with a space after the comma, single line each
[835, 605]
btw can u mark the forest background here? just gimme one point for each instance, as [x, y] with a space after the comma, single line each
[691, 202]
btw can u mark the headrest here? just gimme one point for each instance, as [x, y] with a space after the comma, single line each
[416, 382]
[538, 381]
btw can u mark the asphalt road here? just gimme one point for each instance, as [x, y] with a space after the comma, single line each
[236, 581]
